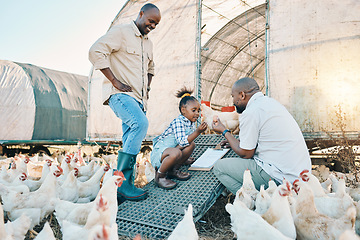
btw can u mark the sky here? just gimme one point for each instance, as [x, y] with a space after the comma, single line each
[54, 34]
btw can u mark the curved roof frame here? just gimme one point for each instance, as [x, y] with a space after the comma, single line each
[251, 39]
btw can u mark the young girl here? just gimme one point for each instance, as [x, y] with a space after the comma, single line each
[174, 146]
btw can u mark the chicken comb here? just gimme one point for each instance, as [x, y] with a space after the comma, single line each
[101, 202]
[119, 173]
[60, 169]
[304, 171]
[105, 233]
[288, 185]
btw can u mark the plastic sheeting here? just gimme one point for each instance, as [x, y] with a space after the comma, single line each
[314, 62]
[41, 104]
[236, 50]
[17, 103]
[175, 40]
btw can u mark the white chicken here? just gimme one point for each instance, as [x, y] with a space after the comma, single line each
[72, 212]
[349, 235]
[19, 227]
[4, 234]
[91, 187]
[21, 163]
[248, 225]
[263, 201]
[335, 205]
[34, 167]
[46, 233]
[242, 196]
[12, 173]
[33, 213]
[326, 185]
[272, 187]
[18, 180]
[279, 214]
[102, 232]
[353, 192]
[229, 119]
[65, 165]
[69, 189]
[35, 184]
[310, 224]
[41, 198]
[322, 173]
[149, 171]
[314, 183]
[100, 214]
[87, 170]
[248, 187]
[185, 229]
[15, 230]
[78, 213]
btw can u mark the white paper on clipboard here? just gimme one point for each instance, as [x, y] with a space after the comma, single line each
[207, 160]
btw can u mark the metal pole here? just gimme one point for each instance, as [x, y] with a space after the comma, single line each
[198, 54]
[267, 36]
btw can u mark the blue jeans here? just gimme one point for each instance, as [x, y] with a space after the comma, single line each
[134, 121]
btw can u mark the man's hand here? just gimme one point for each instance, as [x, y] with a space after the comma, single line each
[202, 127]
[225, 144]
[217, 125]
[120, 86]
[114, 81]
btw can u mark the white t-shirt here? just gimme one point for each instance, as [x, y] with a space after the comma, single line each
[280, 146]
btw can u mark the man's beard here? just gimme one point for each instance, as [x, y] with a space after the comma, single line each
[239, 109]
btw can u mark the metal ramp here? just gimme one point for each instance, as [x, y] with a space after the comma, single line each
[158, 215]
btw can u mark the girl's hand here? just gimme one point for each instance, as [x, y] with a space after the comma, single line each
[202, 127]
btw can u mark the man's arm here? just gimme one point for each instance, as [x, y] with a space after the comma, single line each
[149, 79]
[115, 82]
[235, 146]
[149, 82]
[234, 143]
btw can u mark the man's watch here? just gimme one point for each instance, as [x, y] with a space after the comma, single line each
[224, 132]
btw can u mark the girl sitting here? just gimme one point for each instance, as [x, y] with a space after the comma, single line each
[174, 146]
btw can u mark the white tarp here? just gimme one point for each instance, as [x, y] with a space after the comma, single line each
[17, 103]
[41, 104]
[314, 61]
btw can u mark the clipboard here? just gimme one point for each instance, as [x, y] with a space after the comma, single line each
[207, 160]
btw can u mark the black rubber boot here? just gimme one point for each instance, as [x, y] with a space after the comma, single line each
[128, 191]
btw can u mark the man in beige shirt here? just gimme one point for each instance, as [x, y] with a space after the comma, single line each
[125, 56]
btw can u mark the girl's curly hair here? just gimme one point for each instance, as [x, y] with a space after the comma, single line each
[185, 95]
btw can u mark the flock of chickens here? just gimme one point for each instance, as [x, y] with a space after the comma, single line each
[82, 197]
[81, 193]
[305, 209]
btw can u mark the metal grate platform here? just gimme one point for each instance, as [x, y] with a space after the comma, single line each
[158, 215]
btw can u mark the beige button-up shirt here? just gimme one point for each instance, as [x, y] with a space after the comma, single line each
[129, 55]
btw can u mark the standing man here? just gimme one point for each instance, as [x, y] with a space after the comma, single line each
[125, 56]
[270, 143]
